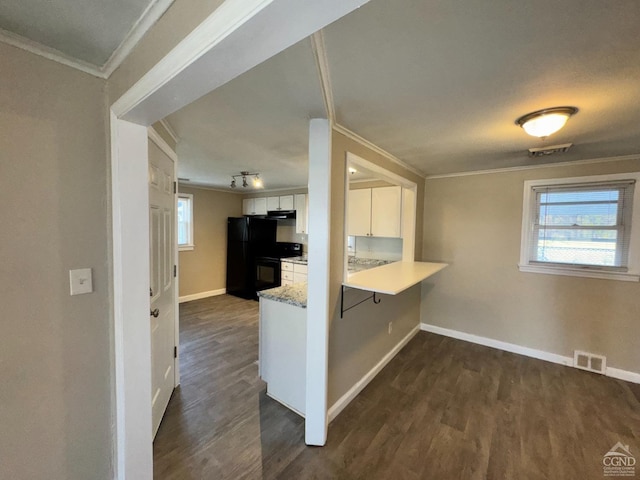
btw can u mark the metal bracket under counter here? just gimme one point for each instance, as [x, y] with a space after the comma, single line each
[342, 309]
[390, 279]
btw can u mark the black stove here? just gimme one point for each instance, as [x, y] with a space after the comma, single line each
[268, 270]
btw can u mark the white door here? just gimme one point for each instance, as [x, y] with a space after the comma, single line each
[161, 250]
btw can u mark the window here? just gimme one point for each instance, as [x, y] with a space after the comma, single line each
[581, 227]
[185, 221]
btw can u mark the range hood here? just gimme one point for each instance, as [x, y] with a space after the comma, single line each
[281, 214]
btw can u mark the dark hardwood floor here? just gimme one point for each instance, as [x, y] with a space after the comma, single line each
[442, 409]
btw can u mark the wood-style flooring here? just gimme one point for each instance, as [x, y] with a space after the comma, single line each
[442, 409]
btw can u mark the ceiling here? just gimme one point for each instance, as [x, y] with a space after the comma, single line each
[438, 84]
[85, 32]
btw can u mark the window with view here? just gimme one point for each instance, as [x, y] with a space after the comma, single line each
[573, 225]
[185, 221]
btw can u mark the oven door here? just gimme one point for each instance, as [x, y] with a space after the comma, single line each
[267, 273]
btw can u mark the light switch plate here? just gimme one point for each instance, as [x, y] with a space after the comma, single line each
[80, 281]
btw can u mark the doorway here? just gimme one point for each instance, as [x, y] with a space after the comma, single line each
[258, 31]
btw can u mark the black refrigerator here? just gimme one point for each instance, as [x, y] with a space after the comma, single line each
[247, 238]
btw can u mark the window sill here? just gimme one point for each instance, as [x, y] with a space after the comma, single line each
[580, 272]
[185, 248]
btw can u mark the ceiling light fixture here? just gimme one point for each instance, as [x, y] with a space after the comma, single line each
[257, 181]
[543, 123]
[352, 170]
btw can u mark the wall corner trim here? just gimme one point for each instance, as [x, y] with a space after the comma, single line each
[200, 295]
[353, 392]
[526, 351]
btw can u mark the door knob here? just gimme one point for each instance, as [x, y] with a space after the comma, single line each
[155, 312]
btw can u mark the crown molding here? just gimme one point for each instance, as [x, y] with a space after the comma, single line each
[363, 141]
[155, 137]
[172, 133]
[620, 158]
[49, 53]
[320, 54]
[148, 18]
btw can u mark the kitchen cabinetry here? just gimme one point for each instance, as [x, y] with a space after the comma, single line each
[302, 213]
[375, 212]
[284, 202]
[283, 352]
[254, 206]
[292, 273]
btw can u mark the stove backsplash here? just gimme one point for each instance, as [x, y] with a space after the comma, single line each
[286, 232]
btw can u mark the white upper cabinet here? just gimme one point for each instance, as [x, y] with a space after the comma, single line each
[284, 202]
[254, 206]
[375, 212]
[359, 221]
[273, 203]
[302, 213]
[386, 208]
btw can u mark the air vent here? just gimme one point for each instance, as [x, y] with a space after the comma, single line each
[544, 151]
[180, 179]
[589, 361]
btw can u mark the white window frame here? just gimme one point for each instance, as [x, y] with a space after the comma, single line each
[190, 245]
[633, 271]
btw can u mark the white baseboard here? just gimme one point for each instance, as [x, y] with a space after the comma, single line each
[526, 351]
[198, 296]
[625, 375]
[353, 392]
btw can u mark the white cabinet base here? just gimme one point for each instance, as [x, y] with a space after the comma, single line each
[283, 352]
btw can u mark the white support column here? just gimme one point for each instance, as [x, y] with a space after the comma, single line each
[318, 320]
[130, 196]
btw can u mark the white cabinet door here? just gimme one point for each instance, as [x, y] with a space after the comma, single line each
[386, 203]
[299, 277]
[302, 217]
[273, 203]
[260, 206]
[248, 206]
[286, 202]
[359, 220]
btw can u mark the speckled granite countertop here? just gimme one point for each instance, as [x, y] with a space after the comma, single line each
[295, 294]
[301, 259]
[359, 264]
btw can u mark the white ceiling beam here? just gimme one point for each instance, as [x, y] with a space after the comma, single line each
[192, 68]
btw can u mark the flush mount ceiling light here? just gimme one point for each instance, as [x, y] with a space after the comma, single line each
[257, 181]
[545, 122]
[352, 170]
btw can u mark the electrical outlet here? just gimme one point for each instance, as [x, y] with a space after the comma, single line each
[390, 327]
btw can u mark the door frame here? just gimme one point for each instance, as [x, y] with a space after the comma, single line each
[254, 30]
